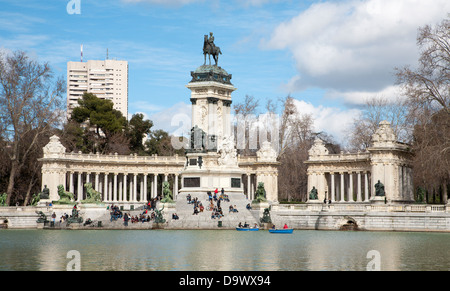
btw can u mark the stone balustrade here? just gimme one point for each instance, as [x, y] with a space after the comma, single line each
[363, 207]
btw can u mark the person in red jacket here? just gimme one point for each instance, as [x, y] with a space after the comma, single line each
[285, 226]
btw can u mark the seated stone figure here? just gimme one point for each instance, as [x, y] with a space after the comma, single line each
[64, 196]
[92, 196]
[313, 195]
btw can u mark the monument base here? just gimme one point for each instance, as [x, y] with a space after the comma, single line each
[378, 200]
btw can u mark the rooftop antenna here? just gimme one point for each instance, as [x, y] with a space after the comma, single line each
[81, 53]
[107, 54]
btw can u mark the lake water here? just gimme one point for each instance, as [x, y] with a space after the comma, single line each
[222, 250]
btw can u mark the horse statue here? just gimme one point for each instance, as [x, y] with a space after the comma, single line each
[64, 196]
[92, 196]
[209, 48]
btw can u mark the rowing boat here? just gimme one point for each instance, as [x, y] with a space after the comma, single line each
[284, 230]
[246, 229]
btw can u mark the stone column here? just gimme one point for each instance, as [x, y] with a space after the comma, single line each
[88, 177]
[358, 198]
[125, 184]
[80, 187]
[105, 185]
[342, 187]
[96, 182]
[333, 188]
[110, 189]
[249, 185]
[115, 188]
[71, 183]
[144, 196]
[350, 187]
[135, 188]
[175, 191]
[155, 185]
[120, 198]
[366, 187]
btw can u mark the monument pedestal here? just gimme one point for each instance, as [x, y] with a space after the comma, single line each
[378, 200]
[204, 173]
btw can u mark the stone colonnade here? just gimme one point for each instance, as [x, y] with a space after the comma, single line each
[351, 177]
[118, 178]
[136, 179]
[120, 187]
[349, 186]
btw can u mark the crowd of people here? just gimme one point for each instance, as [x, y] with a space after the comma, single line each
[214, 204]
[147, 215]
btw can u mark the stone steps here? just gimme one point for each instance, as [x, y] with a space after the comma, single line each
[203, 220]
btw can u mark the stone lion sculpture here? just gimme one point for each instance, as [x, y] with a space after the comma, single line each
[92, 196]
[64, 196]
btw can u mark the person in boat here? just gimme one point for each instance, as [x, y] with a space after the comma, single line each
[285, 226]
[246, 225]
[273, 226]
[240, 225]
[255, 226]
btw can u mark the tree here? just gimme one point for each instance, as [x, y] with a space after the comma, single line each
[429, 84]
[373, 112]
[104, 126]
[427, 89]
[137, 129]
[160, 143]
[246, 126]
[30, 107]
[100, 114]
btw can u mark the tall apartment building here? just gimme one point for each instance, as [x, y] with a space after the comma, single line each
[106, 79]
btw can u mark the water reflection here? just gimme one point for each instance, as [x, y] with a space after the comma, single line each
[221, 250]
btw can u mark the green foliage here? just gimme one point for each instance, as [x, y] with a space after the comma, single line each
[100, 114]
[137, 129]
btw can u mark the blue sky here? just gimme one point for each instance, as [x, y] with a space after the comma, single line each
[329, 55]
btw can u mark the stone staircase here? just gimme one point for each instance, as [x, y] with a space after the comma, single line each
[187, 220]
[203, 220]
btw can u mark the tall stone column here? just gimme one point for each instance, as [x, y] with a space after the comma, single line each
[366, 187]
[105, 185]
[120, 194]
[175, 191]
[155, 185]
[359, 198]
[144, 196]
[96, 182]
[248, 186]
[350, 187]
[333, 188]
[80, 187]
[115, 188]
[125, 184]
[135, 188]
[71, 182]
[342, 187]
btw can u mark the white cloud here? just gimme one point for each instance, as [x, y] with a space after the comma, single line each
[354, 45]
[176, 120]
[334, 121]
[361, 97]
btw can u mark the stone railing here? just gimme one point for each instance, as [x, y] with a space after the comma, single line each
[363, 207]
[342, 157]
[124, 158]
